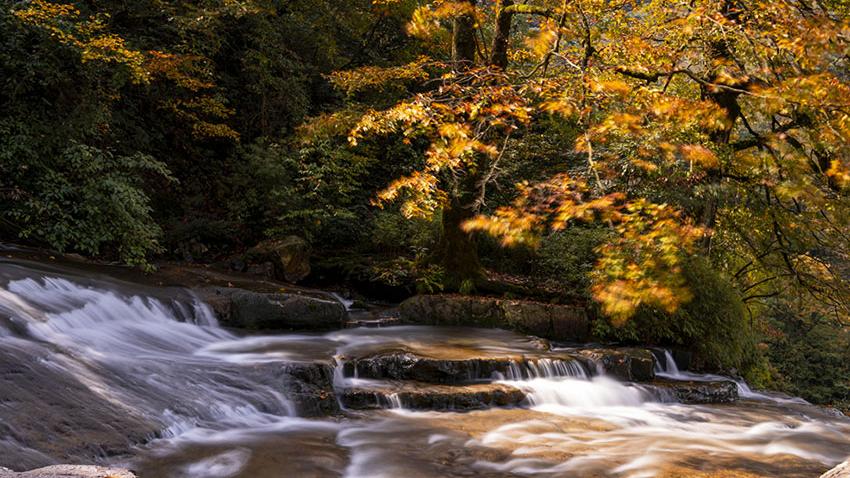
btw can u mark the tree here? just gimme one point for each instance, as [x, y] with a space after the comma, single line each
[714, 127]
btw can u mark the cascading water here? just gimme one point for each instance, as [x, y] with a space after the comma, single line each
[669, 369]
[139, 352]
[89, 365]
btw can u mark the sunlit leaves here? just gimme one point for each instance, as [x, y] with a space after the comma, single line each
[709, 108]
[642, 266]
[374, 77]
[427, 19]
[463, 121]
[89, 35]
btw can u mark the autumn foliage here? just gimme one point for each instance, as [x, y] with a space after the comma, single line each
[713, 127]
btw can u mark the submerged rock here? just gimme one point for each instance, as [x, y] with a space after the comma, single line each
[70, 471]
[49, 416]
[419, 396]
[243, 309]
[290, 257]
[558, 322]
[699, 392]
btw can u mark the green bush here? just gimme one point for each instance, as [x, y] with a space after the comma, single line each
[85, 199]
[714, 325]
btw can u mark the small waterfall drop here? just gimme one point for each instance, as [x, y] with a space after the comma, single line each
[140, 352]
[669, 366]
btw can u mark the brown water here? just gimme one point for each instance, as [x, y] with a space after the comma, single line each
[93, 359]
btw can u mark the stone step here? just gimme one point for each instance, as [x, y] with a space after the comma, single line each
[426, 396]
[409, 366]
[697, 392]
[370, 321]
[631, 365]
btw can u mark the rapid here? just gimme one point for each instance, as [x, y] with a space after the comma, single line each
[95, 369]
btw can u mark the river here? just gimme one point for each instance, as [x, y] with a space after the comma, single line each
[94, 369]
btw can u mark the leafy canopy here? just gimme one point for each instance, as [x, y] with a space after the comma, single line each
[712, 127]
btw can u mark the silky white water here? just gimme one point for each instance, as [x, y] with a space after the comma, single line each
[219, 406]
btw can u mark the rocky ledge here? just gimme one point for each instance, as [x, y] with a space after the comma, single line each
[69, 471]
[426, 396]
[244, 309]
[552, 321]
[403, 365]
[627, 364]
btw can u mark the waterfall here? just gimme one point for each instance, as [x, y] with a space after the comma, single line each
[669, 366]
[140, 352]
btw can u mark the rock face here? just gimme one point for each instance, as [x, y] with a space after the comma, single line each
[71, 471]
[840, 471]
[558, 322]
[244, 309]
[57, 417]
[629, 364]
[418, 396]
[310, 387]
[290, 257]
[693, 392]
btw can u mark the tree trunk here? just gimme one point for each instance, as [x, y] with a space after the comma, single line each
[727, 100]
[458, 251]
[463, 40]
[499, 51]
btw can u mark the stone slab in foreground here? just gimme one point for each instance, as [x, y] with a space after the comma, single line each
[70, 471]
[840, 471]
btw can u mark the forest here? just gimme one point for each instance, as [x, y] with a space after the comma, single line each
[678, 168]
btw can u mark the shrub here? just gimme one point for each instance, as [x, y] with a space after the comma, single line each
[715, 325]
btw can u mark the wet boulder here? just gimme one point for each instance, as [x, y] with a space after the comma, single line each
[698, 392]
[553, 321]
[70, 471]
[628, 364]
[290, 257]
[419, 396]
[243, 309]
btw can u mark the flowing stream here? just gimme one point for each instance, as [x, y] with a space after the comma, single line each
[93, 369]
